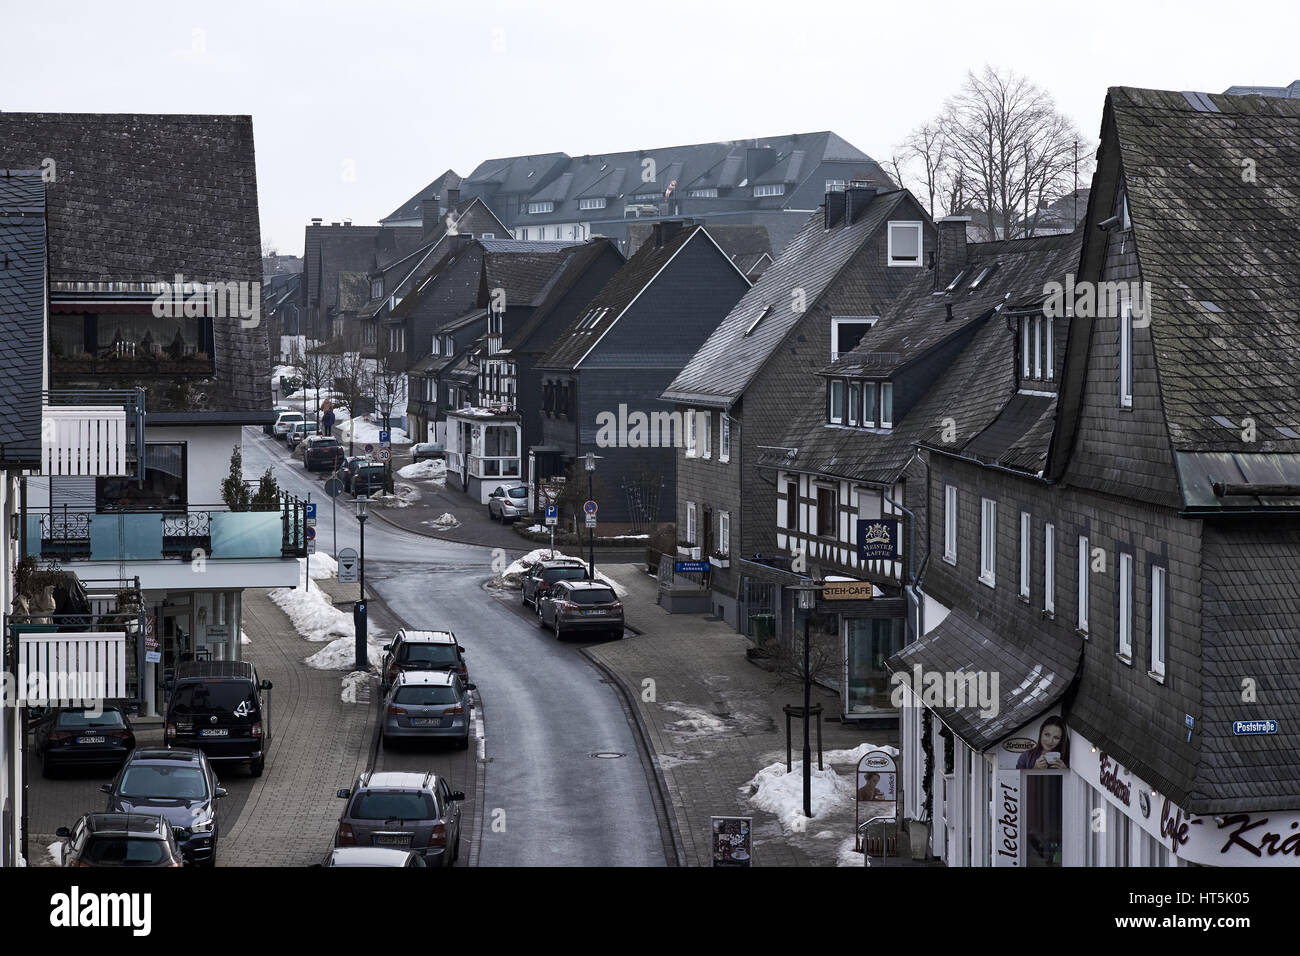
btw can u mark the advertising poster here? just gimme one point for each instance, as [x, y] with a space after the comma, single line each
[732, 841]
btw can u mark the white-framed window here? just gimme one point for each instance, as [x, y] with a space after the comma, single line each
[707, 427]
[886, 404]
[724, 437]
[1049, 350]
[988, 541]
[436, 348]
[705, 192]
[836, 185]
[690, 523]
[905, 244]
[847, 332]
[950, 523]
[1125, 629]
[855, 397]
[1125, 355]
[724, 532]
[1049, 568]
[1038, 346]
[690, 433]
[772, 189]
[596, 203]
[523, 232]
[1083, 583]
[540, 207]
[1025, 358]
[837, 402]
[1158, 624]
[1026, 549]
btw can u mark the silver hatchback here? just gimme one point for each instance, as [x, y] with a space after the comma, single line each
[402, 811]
[427, 705]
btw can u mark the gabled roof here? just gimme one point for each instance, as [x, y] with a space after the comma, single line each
[725, 365]
[22, 315]
[413, 208]
[524, 276]
[613, 300]
[577, 261]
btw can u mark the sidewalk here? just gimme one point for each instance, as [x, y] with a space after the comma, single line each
[715, 720]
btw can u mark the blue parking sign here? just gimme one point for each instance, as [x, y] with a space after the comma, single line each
[552, 511]
[384, 436]
[311, 509]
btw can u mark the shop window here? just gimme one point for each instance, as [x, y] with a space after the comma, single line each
[869, 642]
[1043, 819]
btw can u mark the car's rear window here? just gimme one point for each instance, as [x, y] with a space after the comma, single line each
[592, 596]
[218, 696]
[399, 805]
[517, 492]
[427, 654]
[551, 575]
[425, 695]
[123, 851]
[176, 783]
[325, 443]
[79, 718]
[371, 471]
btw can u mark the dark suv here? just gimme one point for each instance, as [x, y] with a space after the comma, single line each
[218, 707]
[120, 839]
[371, 478]
[180, 785]
[422, 651]
[404, 811]
[540, 577]
[575, 606]
[322, 453]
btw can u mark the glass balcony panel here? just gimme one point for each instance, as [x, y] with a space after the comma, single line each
[126, 537]
[246, 534]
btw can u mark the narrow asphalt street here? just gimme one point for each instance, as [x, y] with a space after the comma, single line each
[545, 709]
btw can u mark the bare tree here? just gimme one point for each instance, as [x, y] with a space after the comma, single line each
[387, 386]
[926, 150]
[1010, 147]
[825, 655]
[352, 382]
[316, 369]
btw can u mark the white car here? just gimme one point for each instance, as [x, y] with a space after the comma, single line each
[508, 504]
[284, 424]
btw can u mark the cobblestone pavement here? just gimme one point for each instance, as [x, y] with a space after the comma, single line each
[714, 722]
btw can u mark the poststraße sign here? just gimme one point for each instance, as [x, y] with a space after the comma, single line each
[847, 591]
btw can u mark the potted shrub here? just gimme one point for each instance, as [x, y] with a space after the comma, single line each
[720, 560]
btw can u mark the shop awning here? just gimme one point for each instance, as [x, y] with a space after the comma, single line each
[1033, 673]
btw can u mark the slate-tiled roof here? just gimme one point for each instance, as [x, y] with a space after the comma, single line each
[1034, 672]
[725, 365]
[1286, 92]
[22, 315]
[608, 304]
[413, 208]
[1220, 253]
[523, 275]
[576, 262]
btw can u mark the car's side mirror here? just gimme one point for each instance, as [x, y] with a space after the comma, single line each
[458, 794]
[105, 788]
[179, 834]
[343, 793]
[471, 686]
[266, 685]
[63, 832]
[221, 792]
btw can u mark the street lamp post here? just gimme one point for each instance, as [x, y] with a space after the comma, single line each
[359, 615]
[807, 601]
[589, 462]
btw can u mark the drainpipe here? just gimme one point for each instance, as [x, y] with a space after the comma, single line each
[911, 588]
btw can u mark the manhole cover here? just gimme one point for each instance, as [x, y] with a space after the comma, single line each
[607, 755]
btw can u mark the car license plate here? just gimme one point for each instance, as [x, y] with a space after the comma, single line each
[393, 839]
[593, 612]
[426, 721]
[214, 732]
[90, 740]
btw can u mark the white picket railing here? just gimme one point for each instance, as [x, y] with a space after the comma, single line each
[60, 667]
[83, 440]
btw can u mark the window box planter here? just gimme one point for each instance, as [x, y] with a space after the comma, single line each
[720, 561]
[689, 552]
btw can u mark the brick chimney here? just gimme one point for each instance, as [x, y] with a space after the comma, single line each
[430, 214]
[950, 252]
[453, 199]
[857, 197]
[833, 211]
[665, 230]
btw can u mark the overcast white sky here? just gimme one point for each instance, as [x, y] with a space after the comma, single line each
[404, 90]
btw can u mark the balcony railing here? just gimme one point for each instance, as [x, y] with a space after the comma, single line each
[91, 432]
[207, 533]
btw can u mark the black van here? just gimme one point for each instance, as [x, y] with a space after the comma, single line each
[217, 707]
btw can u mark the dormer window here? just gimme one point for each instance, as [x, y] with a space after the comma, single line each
[905, 244]
[535, 208]
[709, 192]
[847, 331]
[771, 189]
[837, 402]
[598, 203]
[855, 393]
[1037, 349]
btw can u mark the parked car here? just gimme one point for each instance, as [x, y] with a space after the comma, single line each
[404, 811]
[348, 470]
[508, 504]
[217, 707]
[413, 650]
[299, 431]
[80, 737]
[269, 427]
[180, 785]
[574, 606]
[285, 421]
[322, 453]
[425, 450]
[372, 856]
[427, 705]
[371, 478]
[120, 839]
[544, 573]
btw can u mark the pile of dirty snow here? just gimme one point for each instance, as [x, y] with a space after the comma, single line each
[364, 430]
[431, 469]
[444, 522]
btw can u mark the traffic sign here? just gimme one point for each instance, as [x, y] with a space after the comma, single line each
[383, 454]
[333, 487]
[311, 509]
[349, 564]
[590, 508]
[311, 522]
[591, 521]
[311, 533]
[311, 545]
[369, 448]
[385, 436]
[552, 514]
